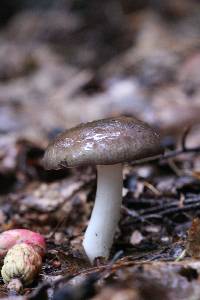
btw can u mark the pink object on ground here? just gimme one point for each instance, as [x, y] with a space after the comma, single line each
[12, 237]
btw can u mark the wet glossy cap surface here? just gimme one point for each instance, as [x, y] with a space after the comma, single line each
[103, 142]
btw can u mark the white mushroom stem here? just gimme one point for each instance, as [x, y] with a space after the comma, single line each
[100, 232]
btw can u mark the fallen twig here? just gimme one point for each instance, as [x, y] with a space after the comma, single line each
[93, 277]
[170, 154]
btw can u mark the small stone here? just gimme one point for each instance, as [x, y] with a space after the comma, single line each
[152, 228]
[136, 238]
[144, 171]
[165, 239]
[15, 286]
[56, 263]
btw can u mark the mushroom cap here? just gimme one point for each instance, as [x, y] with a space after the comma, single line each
[103, 142]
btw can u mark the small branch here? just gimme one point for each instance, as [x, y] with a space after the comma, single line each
[181, 209]
[184, 150]
[184, 137]
[170, 154]
[94, 274]
[175, 153]
[170, 206]
[159, 211]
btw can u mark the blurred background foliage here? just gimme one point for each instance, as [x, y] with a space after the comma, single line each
[70, 61]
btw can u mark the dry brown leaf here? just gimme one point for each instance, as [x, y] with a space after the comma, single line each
[193, 240]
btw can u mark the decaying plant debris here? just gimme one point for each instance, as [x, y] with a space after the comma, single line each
[62, 66]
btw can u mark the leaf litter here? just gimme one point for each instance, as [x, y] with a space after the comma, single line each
[49, 85]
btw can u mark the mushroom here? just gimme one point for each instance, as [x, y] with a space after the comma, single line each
[106, 143]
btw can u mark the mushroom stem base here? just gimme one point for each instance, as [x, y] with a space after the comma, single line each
[99, 235]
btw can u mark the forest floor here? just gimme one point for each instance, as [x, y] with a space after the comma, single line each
[57, 71]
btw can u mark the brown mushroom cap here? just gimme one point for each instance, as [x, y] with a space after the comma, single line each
[103, 142]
